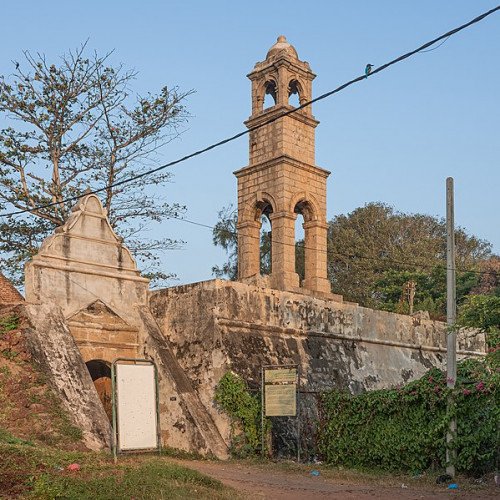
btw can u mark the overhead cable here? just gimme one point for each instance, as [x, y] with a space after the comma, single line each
[383, 67]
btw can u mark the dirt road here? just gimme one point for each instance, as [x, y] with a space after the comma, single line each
[274, 482]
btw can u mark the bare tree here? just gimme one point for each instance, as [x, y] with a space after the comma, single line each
[74, 126]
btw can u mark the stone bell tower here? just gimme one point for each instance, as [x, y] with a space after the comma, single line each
[281, 179]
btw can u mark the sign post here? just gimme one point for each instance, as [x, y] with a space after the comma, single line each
[280, 395]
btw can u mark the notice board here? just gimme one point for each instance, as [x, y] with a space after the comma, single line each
[137, 425]
[280, 391]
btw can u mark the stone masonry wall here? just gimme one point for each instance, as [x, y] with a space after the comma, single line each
[216, 326]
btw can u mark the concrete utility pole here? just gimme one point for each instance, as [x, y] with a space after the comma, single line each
[451, 316]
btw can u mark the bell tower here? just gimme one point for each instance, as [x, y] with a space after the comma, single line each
[281, 179]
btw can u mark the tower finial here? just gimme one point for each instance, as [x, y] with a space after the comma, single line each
[282, 45]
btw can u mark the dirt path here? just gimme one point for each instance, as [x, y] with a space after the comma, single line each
[256, 481]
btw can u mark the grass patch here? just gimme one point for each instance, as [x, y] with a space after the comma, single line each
[155, 479]
[41, 472]
[8, 438]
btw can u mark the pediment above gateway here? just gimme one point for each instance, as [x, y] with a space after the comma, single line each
[98, 312]
[101, 333]
[87, 239]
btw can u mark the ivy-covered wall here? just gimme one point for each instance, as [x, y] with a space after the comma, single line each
[404, 429]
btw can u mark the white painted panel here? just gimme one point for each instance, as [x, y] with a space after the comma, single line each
[136, 405]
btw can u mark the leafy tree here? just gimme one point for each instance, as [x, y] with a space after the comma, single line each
[430, 290]
[489, 282]
[72, 126]
[482, 312]
[375, 240]
[224, 235]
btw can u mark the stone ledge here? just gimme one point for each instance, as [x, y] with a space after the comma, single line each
[247, 327]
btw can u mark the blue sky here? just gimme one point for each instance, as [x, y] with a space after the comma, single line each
[394, 138]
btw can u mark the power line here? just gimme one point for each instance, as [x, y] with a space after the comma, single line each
[435, 48]
[267, 122]
[341, 254]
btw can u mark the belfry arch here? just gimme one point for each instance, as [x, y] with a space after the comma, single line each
[295, 89]
[282, 165]
[264, 214]
[270, 90]
[249, 233]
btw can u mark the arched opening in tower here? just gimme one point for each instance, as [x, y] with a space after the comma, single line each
[100, 371]
[265, 239]
[300, 251]
[303, 243]
[294, 94]
[270, 95]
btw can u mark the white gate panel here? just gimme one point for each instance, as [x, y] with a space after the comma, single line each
[136, 406]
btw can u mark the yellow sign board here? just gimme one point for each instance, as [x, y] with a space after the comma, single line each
[281, 400]
[280, 392]
[280, 375]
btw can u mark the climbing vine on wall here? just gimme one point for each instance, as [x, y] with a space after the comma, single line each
[404, 428]
[244, 408]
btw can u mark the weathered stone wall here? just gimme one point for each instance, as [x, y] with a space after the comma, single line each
[55, 351]
[216, 326]
[85, 269]
[184, 421]
[83, 289]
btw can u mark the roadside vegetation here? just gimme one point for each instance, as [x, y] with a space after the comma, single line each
[404, 429]
[41, 472]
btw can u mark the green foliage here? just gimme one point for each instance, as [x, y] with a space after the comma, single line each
[489, 280]
[8, 438]
[372, 248]
[482, 312]
[225, 236]
[244, 409]
[430, 290]
[8, 324]
[404, 429]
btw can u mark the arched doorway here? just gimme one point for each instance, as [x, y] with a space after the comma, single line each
[100, 372]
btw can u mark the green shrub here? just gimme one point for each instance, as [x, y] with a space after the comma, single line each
[404, 429]
[8, 323]
[244, 409]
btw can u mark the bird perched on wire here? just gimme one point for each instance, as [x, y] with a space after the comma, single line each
[368, 70]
